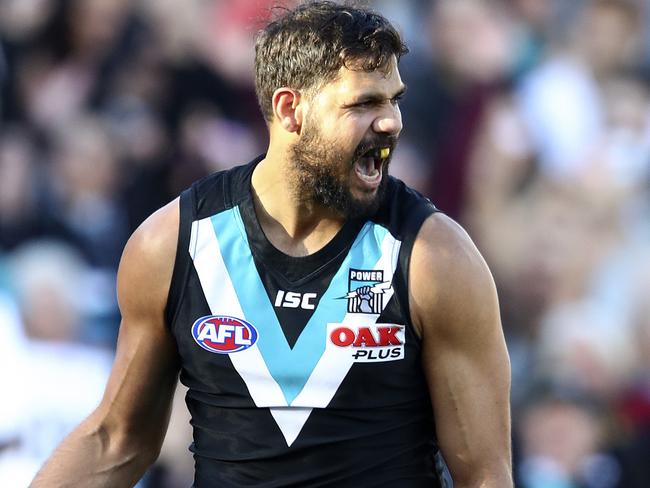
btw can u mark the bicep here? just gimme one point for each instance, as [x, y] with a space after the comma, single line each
[138, 396]
[464, 354]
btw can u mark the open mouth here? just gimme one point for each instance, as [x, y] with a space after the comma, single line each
[369, 166]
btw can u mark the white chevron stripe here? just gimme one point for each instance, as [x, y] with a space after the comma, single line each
[331, 369]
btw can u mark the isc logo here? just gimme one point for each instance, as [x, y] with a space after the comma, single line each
[292, 299]
[223, 334]
[374, 343]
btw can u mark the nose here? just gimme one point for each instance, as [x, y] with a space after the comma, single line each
[389, 121]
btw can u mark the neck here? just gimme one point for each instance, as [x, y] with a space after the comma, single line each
[291, 223]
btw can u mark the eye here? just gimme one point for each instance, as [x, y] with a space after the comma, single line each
[397, 99]
[366, 104]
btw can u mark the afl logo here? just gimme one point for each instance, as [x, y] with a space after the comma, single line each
[223, 335]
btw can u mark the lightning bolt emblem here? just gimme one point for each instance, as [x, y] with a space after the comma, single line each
[377, 289]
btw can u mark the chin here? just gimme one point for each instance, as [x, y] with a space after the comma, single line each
[365, 203]
[365, 197]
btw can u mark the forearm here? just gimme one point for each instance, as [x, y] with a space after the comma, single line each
[495, 478]
[93, 457]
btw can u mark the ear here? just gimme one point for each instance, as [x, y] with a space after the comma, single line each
[287, 109]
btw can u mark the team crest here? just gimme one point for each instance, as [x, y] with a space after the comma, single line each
[366, 291]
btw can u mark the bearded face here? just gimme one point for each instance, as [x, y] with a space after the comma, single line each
[326, 171]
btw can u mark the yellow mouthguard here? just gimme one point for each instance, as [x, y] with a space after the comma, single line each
[384, 152]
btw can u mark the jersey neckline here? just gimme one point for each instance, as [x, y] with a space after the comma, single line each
[271, 256]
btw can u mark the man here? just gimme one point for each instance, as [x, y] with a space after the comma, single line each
[333, 329]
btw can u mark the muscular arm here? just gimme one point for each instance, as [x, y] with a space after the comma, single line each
[454, 306]
[122, 437]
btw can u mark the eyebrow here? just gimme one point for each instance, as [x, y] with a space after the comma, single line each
[375, 97]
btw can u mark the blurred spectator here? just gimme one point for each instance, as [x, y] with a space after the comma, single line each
[18, 195]
[562, 440]
[60, 380]
[472, 57]
[562, 101]
[23, 192]
[84, 183]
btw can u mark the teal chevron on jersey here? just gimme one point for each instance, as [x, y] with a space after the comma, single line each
[290, 367]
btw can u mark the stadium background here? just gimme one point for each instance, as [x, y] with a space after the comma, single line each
[526, 120]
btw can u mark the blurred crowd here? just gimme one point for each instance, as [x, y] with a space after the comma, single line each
[526, 120]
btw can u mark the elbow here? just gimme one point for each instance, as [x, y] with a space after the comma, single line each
[136, 452]
[127, 448]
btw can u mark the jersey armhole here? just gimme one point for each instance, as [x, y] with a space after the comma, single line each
[182, 263]
[413, 224]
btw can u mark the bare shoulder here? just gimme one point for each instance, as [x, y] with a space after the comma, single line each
[148, 259]
[158, 234]
[448, 276]
[444, 244]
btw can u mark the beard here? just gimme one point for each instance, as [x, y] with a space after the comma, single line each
[323, 173]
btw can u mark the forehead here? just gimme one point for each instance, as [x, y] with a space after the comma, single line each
[354, 82]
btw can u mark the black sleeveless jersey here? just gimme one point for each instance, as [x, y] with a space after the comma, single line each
[302, 371]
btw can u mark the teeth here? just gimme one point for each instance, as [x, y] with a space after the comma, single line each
[384, 152]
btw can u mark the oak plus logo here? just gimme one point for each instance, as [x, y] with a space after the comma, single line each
[223, 335]
[366, 291]
[368, 343]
